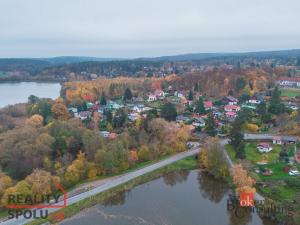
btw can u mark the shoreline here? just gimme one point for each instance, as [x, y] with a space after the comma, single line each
[189, 163]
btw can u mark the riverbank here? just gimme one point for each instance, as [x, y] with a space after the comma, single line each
[188, 163]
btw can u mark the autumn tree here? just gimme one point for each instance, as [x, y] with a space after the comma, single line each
[77, 170]
[144, 154]
[35, 121]
[241, 180]
[24, 149]
[43, 108]
[212, 158]
[5, 182]
[59, 110]
[39, 183]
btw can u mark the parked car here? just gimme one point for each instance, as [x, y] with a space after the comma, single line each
[293, 172]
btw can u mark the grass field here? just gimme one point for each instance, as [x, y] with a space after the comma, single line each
[290, 93]
[254, 156]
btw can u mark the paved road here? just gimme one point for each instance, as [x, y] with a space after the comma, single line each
[113, 183]
[132, 175]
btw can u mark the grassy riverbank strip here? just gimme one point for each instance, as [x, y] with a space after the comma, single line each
[188, 163]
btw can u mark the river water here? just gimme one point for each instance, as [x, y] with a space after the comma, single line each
[178, 198]
[18, 92]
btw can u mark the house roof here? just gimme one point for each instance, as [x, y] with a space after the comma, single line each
[277, 138]
[293, 79]
[231, 98]
[232, 107]
[264, 145]
[208, 104]
[230, 113]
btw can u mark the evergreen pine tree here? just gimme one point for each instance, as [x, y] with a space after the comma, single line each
[211, 125]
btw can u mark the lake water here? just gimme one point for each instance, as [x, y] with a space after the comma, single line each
[12, 93]
[178, 198]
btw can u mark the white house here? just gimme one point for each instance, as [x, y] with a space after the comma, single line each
[232, 108]
[199, 122]
[159, 93]
[151, 98]
[289, 82]
[277, 140]
[264, 147]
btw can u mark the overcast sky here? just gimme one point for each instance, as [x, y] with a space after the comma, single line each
[135, 28]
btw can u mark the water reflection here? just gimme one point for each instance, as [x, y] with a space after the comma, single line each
[173, 199]
[117, 199]
[176, 177]
[210, 188]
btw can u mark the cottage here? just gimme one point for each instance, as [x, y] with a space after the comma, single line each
[264, 147]
[208, 105]
[151, 98]
[113, 136]
[111, 105]
[231, 115]
[133, 116]
[232, 108]
[84, 115]
[179, 94]
[198, 122]
[73, 110]
[289, 82]
[138, 108]
[277, 140]
[249, 106]
[104, 134]
[159, 94]
[229, 100]
[254, 100]
[181, 118]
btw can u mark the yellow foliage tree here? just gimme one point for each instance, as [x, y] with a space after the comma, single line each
[5, 182]
[35, 121]
[252, 127]
[241, 180]
[77, 170]
[59, 110]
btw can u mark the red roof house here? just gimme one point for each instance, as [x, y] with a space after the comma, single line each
[208, 105]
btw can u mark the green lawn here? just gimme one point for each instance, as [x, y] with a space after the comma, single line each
[290, 93]
[155, 104]
[254, 156]
[278, 173]
[230, 152]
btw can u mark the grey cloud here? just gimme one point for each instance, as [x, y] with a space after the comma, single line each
[132, 28]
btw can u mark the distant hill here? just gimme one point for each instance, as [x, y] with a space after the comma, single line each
[76, 59]
[114, 66]
[295, 53]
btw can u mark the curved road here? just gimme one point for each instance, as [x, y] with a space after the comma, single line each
[110, 184]
[132, 175]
